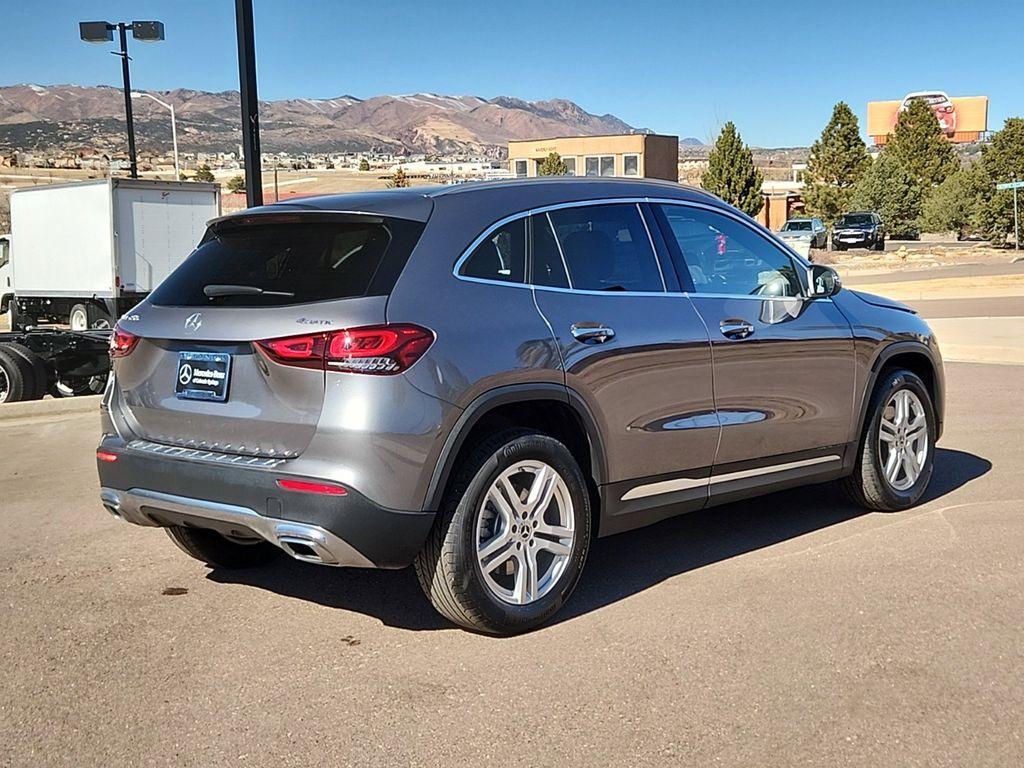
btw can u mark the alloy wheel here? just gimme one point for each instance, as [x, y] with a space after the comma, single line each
[903, 439]
[525, 531]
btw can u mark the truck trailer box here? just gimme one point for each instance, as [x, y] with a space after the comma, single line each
[105, 239]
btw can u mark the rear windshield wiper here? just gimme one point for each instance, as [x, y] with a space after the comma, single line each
[213, 291]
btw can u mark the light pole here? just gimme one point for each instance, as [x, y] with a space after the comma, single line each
[174, 127]
[103, 32]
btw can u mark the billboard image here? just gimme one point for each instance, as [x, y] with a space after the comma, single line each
[962, 118]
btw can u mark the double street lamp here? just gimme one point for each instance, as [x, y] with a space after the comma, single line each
[174, 126]
[103, 32]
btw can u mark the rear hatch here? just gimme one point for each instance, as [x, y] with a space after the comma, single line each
[196, 374]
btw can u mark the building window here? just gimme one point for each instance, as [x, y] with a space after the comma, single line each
[604, 165]
[519, 168]
[570, 165]
[631, 165]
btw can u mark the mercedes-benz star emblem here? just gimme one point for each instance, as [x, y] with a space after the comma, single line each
[185, 374]
[193, 321]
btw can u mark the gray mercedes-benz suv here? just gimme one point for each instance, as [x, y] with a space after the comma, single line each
[479, 379]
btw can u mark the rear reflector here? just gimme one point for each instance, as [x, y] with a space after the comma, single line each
[381, 350]
[122, 343]
[106, 456]
[304, 486]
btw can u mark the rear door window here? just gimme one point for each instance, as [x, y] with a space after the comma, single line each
[269, 265]
[607, 248]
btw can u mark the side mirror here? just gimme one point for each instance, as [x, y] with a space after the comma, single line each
[823, 281]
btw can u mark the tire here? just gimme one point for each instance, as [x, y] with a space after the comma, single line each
[448, 567]
[78, 317]
[838, 247]
[869, 486]
[38, 365]
[879, 245]
[99, 319]
[218, 551]
[17, 380]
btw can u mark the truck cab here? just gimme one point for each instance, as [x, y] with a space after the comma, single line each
[6, 284]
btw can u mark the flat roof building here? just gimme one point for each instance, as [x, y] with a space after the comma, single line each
[632, 155]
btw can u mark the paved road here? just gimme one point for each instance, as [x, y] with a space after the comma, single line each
[793, 630]
[1007, 306]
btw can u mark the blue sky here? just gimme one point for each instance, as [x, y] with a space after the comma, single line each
[774, 68]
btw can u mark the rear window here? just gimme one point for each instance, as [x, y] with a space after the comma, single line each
[270, 265]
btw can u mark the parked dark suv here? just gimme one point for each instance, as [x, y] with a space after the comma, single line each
[860, 229]
[479, 379]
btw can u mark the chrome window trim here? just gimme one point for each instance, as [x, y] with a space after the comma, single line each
[558, 245]
[740, 218]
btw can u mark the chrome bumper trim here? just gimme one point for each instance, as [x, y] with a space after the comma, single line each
[302, 541]
[201, 454]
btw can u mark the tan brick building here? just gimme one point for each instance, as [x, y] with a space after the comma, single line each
[636, 155]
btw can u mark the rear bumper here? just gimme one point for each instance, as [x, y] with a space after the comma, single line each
[345, 530]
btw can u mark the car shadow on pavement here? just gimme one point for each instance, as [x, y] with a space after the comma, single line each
[618, 566]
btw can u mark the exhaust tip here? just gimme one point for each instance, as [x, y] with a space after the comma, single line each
[301, 550]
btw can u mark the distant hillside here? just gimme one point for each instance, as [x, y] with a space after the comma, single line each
[69, 117]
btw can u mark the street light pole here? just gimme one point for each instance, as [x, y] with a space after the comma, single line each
[102, 32]
[250, 103]
[174, 127]
[122, 29]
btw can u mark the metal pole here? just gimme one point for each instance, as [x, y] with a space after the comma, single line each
[174, 140]
[122, 29]
[1016, 223]
[250, 103]
[277, 197]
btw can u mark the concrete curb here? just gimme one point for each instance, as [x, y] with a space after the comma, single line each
[51, 406]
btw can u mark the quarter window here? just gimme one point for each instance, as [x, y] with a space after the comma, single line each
[607, 248]
[724, 256]
[500, 256]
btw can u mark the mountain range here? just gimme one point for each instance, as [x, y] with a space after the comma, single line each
[73, 117]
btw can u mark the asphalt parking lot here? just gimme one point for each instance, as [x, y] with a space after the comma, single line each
[791, 630]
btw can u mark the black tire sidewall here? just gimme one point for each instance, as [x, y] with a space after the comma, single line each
[894, 382]
[514, 618]
[20, 384]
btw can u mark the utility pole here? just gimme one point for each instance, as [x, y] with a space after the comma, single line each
[250, 103]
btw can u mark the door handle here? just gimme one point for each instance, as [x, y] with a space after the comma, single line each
[736, 329]
[592, 334]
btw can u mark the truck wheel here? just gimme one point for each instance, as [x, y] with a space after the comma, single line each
[17, 382]
[78, 318]
[510, 541]
[98, 318]
[219, 551]
[37, 364]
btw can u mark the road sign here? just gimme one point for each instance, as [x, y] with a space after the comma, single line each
[1011, 185]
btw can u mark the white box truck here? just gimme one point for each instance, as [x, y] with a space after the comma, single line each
[83, 254]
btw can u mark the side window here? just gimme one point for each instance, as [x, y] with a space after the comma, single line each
[607, 248]
[724, 256]
[547, 264]
[500, 256]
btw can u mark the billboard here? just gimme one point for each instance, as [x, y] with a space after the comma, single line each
[962, 118]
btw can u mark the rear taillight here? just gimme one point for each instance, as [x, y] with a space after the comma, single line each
[305, 486]
[108, 457]
[122, 343]
[380, 350]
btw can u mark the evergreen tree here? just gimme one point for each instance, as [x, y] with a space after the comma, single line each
[1002, 160]
[890, 191]
[731, 172]
[203, 173]
[399, 179]
[919, 145]
[837, 161]
[953, 205]
[552, 165]
[236, 184]
[364, 164]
